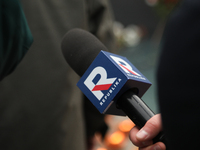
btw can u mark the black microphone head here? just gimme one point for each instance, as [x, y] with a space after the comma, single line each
[80, 48]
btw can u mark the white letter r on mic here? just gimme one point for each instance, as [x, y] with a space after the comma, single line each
[102, 84]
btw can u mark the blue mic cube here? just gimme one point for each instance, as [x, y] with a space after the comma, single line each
[107, 78]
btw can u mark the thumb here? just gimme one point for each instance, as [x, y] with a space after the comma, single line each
[152, 127]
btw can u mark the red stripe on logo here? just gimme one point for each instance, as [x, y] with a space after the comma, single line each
[128, 70]
[101, 87]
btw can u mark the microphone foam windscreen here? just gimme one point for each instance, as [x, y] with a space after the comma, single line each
[80, 48]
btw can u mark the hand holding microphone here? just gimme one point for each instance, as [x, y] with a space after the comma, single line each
[142, 138]
[109, 81]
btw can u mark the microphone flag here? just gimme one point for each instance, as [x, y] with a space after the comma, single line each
[107, 78]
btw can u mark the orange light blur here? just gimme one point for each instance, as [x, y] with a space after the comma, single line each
[101, 148]
[126, 125]
[115, 139]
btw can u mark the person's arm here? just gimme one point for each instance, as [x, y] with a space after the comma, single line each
[143, 138]
[178, 77]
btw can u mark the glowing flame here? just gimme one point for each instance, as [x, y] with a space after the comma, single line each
[101, 148]
[116, 138]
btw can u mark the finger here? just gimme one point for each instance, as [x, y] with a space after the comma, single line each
[135, 141]
[157, 146]
[152, 127]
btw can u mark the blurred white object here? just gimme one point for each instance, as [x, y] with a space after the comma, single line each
[118, 29]
[151, 2]
[129, 36]
[132, 35]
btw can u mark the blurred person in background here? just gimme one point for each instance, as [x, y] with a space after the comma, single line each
[178, 83]
[41, 107]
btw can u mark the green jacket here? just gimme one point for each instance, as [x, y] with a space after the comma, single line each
[15, 36]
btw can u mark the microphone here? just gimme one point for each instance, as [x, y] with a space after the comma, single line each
[109, 81]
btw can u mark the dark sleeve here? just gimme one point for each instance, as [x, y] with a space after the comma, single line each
[15, 36]
[178, 77]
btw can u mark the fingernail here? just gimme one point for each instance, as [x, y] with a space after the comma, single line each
[157, 147]
[142, 134]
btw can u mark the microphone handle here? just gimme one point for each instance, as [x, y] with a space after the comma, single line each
[137, 111]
